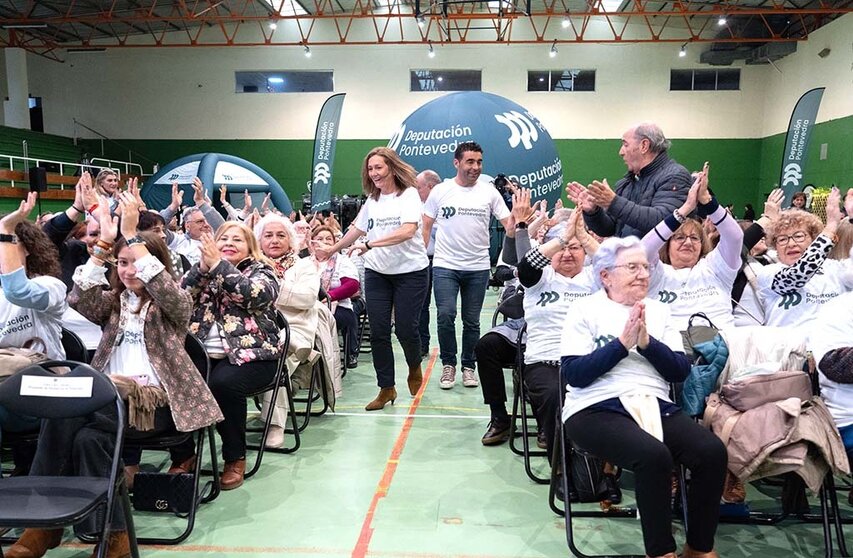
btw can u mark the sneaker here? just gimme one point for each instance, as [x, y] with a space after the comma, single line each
[497, 433]
[541, 441]
[469, 378]
[448, 377]
[352, 361]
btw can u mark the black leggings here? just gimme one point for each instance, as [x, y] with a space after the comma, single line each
[618, 439]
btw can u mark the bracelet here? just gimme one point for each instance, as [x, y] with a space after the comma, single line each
[93, 208]
[367, 244]
[78, 210]
[562, 241]
[103, 244]
[678, 216]
[10, 238]
[104, 255]
[135, 240]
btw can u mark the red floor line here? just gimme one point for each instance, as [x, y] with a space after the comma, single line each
[360, 550]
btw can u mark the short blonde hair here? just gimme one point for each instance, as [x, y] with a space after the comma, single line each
[792, 219]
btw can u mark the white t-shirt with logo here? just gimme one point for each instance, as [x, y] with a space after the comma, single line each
[706, 287]
[546, 305]
[833, 329]
[595, 321]
[462, 214]
[18, 325]
[130, 358]
[800, 308]
[379, 218]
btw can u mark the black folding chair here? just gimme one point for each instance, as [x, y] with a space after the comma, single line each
[195, 349]
[74, 348]
[54, 502]
[281, 379]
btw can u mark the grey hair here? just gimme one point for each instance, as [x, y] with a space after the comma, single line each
[608, 251]
[276, 218]
[430, 176]
[652, 132]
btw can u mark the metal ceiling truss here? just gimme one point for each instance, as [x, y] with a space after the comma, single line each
[52, 28]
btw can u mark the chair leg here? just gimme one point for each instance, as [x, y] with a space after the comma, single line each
[513, 429]
[128, 519]
[214, 484]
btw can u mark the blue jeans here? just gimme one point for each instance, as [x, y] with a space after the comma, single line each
[448, 283]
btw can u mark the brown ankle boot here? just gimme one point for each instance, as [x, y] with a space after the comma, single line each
[119, 546]
[667, 555]
[415, 379]
[690, 553]
[385, 395]
[232, 477]
[182, 467]
[34, 543]
[129, 474]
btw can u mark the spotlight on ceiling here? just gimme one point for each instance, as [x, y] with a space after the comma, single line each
[273, 25]
[307, 52]
[553, 52]
[683, 52]
[431, 52]
[722, 20]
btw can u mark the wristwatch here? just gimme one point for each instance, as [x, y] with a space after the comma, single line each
[135, 240]
[367, 244]
[521, 225]
[11, 238]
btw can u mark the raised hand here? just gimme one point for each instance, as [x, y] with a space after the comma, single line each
[833, 208]
[521, 210]
[210, 255]
[600, 193]
[129, 214]
[177, 197]
[223, 194]
[704, 195]
[247, 201]
[198, 192]
[848, 203]
[108, 222]
[580, 197]
[265, 205]
[773, 205]
[10, 221]
[252, 219]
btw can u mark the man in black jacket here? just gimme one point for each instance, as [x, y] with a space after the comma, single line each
[653, 188]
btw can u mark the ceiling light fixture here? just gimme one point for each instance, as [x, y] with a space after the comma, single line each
[431, 52]
[273, 25]
[275, 79]
[683, 52]
[307, 52]
[553, 52]
[24, 26]
[722, 20]
[566, 22]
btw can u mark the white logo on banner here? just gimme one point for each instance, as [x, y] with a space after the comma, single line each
[230, 173]
[183, 174]
[321, 173]
[520, 127]
[792, 175]
[395, 140]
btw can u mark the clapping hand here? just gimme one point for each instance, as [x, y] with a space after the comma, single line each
[10, 221]
[223, 194]
[265, 205]
[129, 214]
[773, 205]
[198, 192]
[521, 210]
[833, 207]
[580, 197]
[177, 197]
[600, 193]
[209, 253]
[848, 203]
[107, 221]
[247, 201]
[634, 333]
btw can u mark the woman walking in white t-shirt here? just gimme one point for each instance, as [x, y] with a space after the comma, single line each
[395, 261]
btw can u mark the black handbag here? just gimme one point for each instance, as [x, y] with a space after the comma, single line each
[162, 492]
[589, 481]
[697, 333]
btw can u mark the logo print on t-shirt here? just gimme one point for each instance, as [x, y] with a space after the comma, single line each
[602, 340]
[369, 224]
[547, 297]
[448, 211]
[789, 300]
[667, 297]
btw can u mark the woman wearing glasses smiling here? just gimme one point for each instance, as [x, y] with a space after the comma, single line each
[792, 291]
[688, 277]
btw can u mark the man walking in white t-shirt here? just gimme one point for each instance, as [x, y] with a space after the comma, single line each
[462, 207]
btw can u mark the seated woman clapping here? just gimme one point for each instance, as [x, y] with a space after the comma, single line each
[144, 315]
[686, 274]
[233, 290]
[620, 350]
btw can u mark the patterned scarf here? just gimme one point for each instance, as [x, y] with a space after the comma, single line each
[283, 263]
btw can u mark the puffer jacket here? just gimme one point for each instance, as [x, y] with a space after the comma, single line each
[240, 300]
[643, 201]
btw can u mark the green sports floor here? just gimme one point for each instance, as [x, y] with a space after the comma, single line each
[413, 481]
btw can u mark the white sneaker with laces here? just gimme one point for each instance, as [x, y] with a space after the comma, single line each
[469, 378]
[448, 377]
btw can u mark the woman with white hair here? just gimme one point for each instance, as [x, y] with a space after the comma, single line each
[277, 238]
[620, 351]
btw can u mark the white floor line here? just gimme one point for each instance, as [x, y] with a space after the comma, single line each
[407, 415]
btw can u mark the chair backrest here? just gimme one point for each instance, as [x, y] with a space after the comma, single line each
[74, 347]
[80, 392]
[512, 307]
[195, 349]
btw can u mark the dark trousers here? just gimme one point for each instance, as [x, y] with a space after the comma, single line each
[404, 294]
[80, 447]
[618, 439]
[347, 323]
[494, 352]
[230, 386]
[543, 384]
[163, 424]
[424, 322]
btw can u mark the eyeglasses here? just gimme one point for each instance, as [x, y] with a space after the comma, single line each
[682, 238]
[797, 237]
[634, 267]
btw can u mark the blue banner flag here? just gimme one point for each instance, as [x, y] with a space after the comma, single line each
[325, 139]
[797, 143]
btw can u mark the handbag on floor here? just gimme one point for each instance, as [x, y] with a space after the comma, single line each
[162, 492]
[590, 482]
